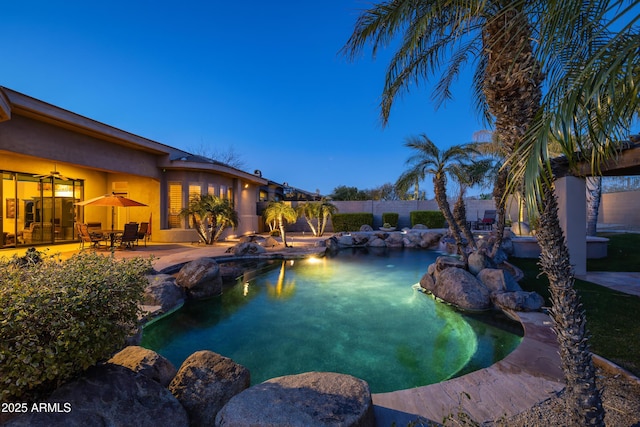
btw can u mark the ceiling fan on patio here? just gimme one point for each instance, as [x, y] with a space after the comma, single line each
[53, 174]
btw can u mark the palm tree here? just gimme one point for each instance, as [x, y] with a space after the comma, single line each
[589, 106]
[320, 211]
[281, 213]
[495, 36]
[210, 216]
[429, 159]
[498, 36]
[469, 175]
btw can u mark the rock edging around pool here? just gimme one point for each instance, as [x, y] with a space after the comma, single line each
[139, 387]
[205, 277]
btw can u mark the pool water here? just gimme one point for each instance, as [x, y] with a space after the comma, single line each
[357, 313]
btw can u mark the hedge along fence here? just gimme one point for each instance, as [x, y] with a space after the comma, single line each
[432, 219]
[390, 218]
[351, 221]
[61, 317]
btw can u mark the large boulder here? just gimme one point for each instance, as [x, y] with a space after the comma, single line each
[200, 278]
[394, 240]
[146, 362]
[269, 242]
[478, 261]
[461, 288]
[248, 248]
[412, 240]
[345, 240]
[366, 227]
[430, 239]
[309, 399]
[204, 384]
[162, 290]
[332, 244]
[109, 395]
[427, 282]
[376, 242]
[519, 301]
[498, 280]
[360, 239]
[444, 262]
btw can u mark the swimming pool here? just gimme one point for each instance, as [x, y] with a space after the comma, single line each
[357, 312]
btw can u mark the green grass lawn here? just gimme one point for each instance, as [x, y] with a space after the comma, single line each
[612, 317]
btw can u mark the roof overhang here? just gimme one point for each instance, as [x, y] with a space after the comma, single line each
[625, 163]
[16, 103]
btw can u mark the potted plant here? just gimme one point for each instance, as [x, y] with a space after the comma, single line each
[387, 227]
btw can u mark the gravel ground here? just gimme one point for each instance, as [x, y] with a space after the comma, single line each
[620, 397]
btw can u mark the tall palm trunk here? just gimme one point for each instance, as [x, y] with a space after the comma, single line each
[441, 198]
[569, 319]
[594, 195]
[282, 231]
[460, 215]
[512, 87]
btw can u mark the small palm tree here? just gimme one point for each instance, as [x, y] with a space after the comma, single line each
[468, 175]
[320, 211]
[281, 213]
[210, 216]
[429, 159]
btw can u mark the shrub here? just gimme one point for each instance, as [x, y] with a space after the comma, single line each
[60, 317]
[432, 219]
[351, 221]
[390, 218]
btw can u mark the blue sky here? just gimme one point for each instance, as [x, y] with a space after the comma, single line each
[263, 78]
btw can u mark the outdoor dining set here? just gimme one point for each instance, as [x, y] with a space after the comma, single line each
[96, 237]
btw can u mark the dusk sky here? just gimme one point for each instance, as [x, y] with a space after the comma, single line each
[264, 79]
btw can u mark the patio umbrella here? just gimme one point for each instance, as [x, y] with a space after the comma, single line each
[113, 200]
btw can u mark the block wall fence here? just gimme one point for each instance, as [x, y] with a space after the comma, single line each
[622, 208]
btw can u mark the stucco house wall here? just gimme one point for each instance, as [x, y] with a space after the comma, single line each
[620, 208]
[36, 137]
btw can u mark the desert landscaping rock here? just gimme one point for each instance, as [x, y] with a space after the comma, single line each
[309, 399]
[477, 261]
[462, 289]
[204, 384]
[498, 280]
[249, 248]
[519, 301]
[146, 362]
[200, 278]
[110, 395]
[445, 262]
[162, 290]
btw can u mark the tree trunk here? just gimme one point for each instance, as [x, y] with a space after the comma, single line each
[512, 87]
[569, 320]
[282, 232]
[460, 215]
[594, 195]
[441, 198]
[499, 198]
[313, 229]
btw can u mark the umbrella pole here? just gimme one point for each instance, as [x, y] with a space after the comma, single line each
[113, 217]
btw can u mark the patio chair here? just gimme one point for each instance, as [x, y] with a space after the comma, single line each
[85, 237]
[143, 233]
[487, 221]
[129, 236]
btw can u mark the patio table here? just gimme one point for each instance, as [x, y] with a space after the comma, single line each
[111, 235]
